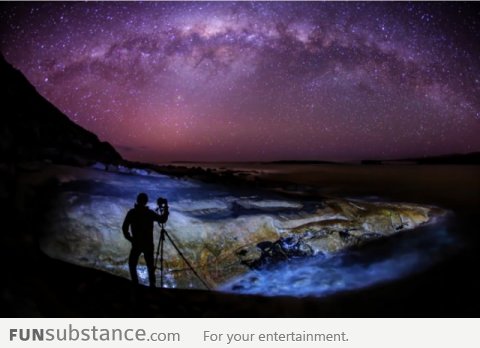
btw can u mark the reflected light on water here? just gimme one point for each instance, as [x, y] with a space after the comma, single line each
[387, 260]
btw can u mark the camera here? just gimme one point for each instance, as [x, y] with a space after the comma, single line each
[162, 204]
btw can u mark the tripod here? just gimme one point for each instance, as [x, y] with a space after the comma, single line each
[161, 242]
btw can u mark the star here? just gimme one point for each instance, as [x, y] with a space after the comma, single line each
[231, 81]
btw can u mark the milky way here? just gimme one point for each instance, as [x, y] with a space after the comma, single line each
[257, 81]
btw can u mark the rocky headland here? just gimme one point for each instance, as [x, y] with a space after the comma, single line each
[66, 193]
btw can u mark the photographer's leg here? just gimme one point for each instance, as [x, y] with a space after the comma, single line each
[133, 262]
[148, 253]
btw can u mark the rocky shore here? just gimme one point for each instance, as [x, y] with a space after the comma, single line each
[224, 232]
[64, 193]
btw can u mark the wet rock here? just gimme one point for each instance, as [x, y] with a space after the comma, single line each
[99, 166]
[220, 240]
[271, 253]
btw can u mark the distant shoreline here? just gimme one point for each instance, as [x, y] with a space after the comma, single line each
[452, 159]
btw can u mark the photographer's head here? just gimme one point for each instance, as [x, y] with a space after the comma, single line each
[142, 199]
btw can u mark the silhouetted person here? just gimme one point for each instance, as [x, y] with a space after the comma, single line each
[141, 219]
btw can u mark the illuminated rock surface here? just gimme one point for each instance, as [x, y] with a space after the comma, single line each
[224, 233]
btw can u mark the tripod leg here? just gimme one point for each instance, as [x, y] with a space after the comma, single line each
[185, 260]
[158, 251]
[162, 238]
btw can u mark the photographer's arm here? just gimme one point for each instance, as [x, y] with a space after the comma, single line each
[125, 228]
[161, 218]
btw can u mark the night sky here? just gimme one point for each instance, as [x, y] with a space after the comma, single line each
[257, 81]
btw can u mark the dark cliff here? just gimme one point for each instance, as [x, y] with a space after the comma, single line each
[31, 128]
